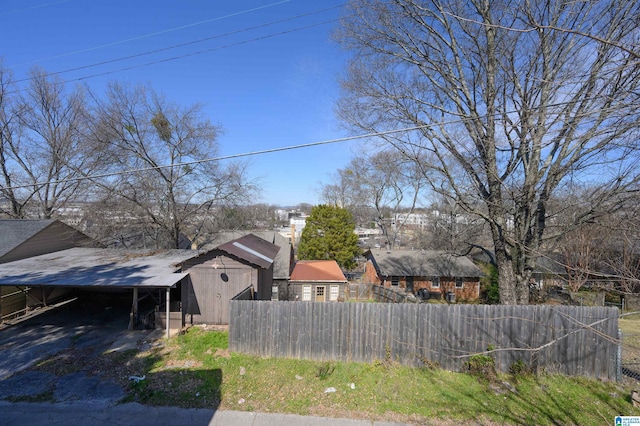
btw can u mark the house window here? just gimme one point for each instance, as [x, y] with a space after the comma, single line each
[459, 283]
[334, 291]
[274, 292]
[435, 282]
[395, 281]
[320, 293]
[306, 293]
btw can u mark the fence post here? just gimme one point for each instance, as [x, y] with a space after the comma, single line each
[619, 358]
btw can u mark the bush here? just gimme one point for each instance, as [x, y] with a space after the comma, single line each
[482, 366]
[489, 284]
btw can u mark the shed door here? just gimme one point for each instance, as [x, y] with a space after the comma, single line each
[213, 289]
[320, 293]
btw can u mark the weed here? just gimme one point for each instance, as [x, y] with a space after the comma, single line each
[41, 397]
[325, 370]
[481, 366]
[427, 363]
[520, 368]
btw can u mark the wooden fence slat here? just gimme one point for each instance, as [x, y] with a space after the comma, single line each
[443, 334]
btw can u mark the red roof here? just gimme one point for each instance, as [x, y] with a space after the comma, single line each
[317, 270]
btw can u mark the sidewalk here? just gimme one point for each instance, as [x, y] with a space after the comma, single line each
[87, 414]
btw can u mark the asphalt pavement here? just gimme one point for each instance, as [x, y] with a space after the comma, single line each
[88, 414]
[80, 398]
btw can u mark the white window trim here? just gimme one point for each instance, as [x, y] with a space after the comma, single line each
[459, 283]
[306, 293]
[435, 282]
[334, 292]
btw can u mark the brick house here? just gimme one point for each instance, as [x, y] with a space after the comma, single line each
[425, 273]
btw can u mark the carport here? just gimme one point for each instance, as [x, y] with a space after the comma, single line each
[97, 268]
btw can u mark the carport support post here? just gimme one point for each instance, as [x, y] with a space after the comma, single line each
[134, 309]
[168, 299]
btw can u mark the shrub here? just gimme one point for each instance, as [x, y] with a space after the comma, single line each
[519, 368]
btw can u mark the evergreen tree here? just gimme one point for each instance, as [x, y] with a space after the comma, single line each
[328, 235]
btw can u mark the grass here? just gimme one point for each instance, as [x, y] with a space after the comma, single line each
[196, 370]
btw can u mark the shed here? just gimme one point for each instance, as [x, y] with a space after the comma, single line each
[283, 261]
[216, 276]
[318, 281]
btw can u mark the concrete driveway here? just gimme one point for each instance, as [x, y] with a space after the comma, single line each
[86, 327]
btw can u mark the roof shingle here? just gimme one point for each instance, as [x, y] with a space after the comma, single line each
[422, 263]
[317, 270]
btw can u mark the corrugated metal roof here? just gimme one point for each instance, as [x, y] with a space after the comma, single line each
[423, 263]
[253, 249]
[93, 267]
[317, 270]
[282, 260]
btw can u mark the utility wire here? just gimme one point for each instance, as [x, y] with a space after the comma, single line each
[265, 151]
[186, 55]
[175, 46]
[37, 6]
[140, 37]
[209, 160]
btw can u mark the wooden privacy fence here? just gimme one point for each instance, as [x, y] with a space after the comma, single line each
[378, 293]
[560, 339]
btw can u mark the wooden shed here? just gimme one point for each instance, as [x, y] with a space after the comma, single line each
[317, 281]
[216, 276]
[282, 264]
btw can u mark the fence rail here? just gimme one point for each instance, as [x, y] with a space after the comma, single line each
[564, 339]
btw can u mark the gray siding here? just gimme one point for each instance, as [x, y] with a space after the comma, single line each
[13, 301]
[296, 290]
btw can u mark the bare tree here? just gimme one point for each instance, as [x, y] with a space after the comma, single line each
[512, 100]
[11, 203]
[620, 259]
[383, 183]
[157, 150]
[43, 145]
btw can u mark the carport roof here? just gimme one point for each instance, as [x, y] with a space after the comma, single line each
[94, 267]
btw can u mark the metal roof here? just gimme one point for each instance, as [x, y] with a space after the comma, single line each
[95, 267]
[282, 260]
[252, 249]
[422, 263]
[317, 270]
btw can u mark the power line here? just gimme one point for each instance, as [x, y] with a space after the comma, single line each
[186, 55]
[37, 6]
[175, 46]
[270, 150]
[115, 43]
[209, 160]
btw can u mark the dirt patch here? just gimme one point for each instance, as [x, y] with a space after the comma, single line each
[182, 364]
[115, 365]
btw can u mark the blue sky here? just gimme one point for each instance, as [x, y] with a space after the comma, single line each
[267, 90]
